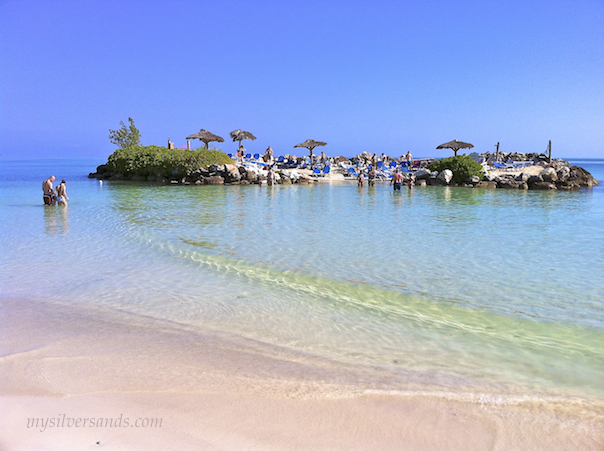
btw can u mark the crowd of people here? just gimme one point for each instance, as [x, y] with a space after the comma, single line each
[51, 196]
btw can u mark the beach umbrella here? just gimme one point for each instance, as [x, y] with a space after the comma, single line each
[206, 137]
[455, 146]
[240, 135]
[310, 144]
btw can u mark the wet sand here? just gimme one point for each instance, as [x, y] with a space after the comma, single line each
[215, 391]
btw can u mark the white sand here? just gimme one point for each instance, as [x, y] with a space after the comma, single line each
[213, 391]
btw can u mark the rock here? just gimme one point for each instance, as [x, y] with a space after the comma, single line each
[101, 169]
[421, 182]
[231, 173]
[434, 181]
[422, 174]
[446, 176]
[579, 176]
[549, 175]
[138, 178]
[474, 179]
[508, 183]
[198, 182]
[563, 173]
[534, 179]
[522, 177]
[486, 184]
[251, 176]
[215, 180]
[543, 186]
[216, 168]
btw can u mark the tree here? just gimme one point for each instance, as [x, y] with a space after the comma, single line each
[125, 136]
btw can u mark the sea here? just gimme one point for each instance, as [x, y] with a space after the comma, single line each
[498, 293]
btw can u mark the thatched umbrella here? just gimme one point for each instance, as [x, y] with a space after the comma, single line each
[206, 137]
[455, 146]
[310, 144]
[240, 135]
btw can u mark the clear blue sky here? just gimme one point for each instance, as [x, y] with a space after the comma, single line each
[382, 76]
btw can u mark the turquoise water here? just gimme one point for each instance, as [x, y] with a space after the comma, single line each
[458, 287]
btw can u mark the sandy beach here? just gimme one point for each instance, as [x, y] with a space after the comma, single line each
[214, 391]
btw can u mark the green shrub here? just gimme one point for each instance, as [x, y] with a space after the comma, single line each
[161, 161]
[462, 166]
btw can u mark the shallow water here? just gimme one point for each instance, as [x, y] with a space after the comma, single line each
[460, 287]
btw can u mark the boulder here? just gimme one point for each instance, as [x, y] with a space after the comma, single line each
[231, 173]
[543, 186]
[434, 181]
[101, 169]
[534, 179]
[549, 175]
[422, 174]
[563, 173]
[251, 176]
[421, 182]
[216, 168]
[215, 180]
[486, 184]
[474, 179]
[581, 177]
[508, 183]
[446, 176]
[522, 177]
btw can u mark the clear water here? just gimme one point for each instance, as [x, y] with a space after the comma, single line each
[497, 288]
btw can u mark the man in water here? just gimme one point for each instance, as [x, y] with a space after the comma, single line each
[49, 196]
[372, 175]
[397, 180]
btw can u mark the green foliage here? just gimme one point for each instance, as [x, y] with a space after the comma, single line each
[163, 162]
[125, 136]
[462, 166]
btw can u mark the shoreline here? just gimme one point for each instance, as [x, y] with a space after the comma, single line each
[218, 391]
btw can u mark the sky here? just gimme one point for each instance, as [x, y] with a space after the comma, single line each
[381, 76]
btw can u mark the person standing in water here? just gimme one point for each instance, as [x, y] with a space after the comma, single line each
[397, 180]
[62, 194]
[49, 196]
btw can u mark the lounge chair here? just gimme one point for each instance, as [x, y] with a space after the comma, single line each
[248, 155]
[326, 169]
[502, 165]
[256, 156]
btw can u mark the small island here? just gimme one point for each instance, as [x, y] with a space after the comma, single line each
[211, 166]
